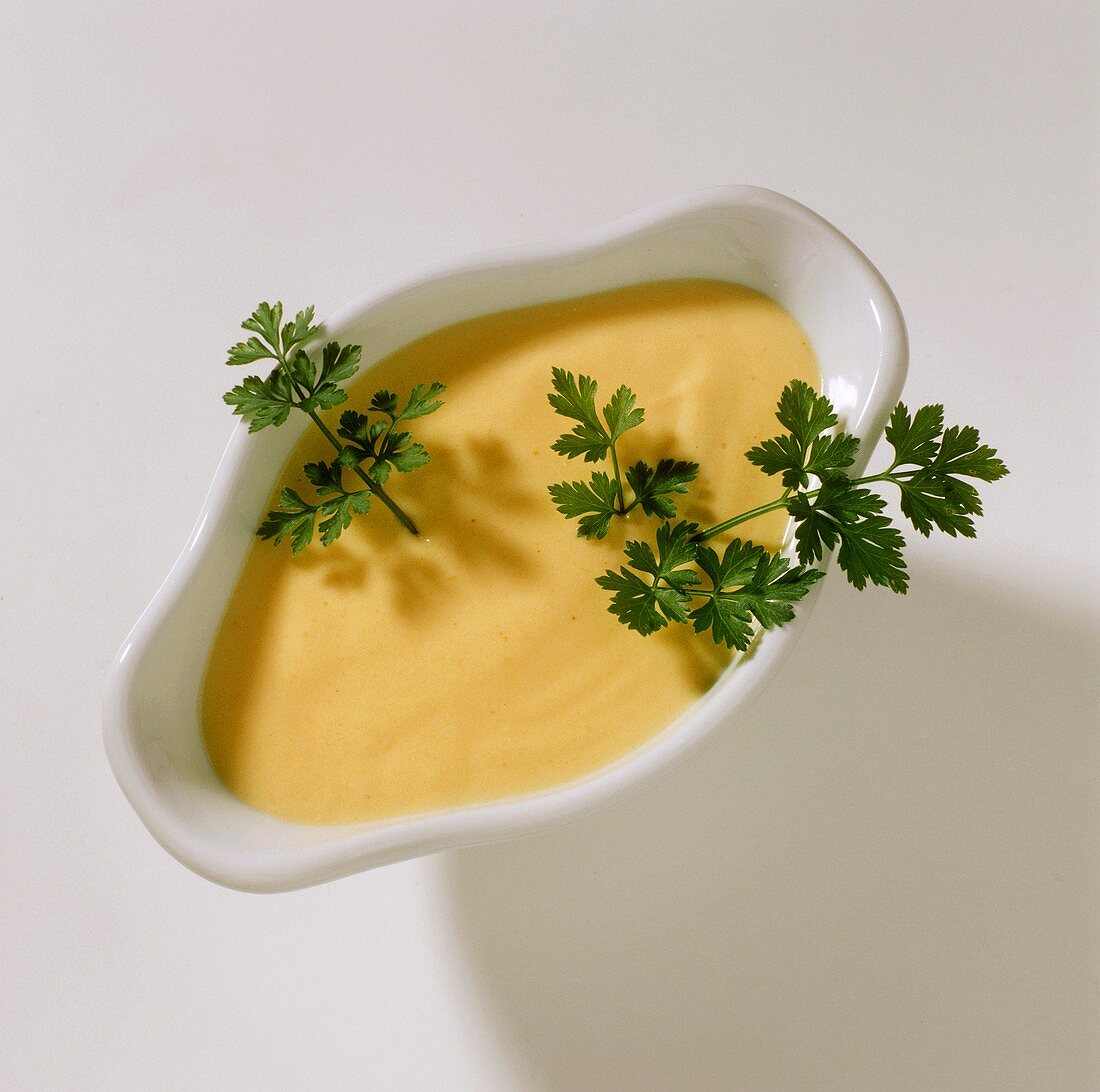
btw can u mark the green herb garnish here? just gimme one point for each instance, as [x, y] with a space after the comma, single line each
[296, 383]
[602, 497]
[748, 586]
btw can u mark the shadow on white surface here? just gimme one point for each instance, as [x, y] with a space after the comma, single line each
[881, 878]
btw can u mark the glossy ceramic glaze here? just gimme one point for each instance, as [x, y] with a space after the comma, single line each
[151, 726]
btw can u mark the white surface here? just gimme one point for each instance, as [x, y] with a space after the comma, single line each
[900, 895]
[153, 693]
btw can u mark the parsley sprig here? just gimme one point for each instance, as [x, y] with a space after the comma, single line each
[930, 466]
[369, 448]
[594, 438]
[748, 587]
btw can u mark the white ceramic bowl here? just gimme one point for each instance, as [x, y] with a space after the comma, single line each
[151, 720]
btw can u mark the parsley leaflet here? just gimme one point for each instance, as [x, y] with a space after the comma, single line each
[595, 502]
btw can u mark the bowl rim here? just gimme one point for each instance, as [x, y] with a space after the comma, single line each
[370, 845]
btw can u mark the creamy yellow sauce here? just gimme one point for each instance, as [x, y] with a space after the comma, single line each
[388, 675]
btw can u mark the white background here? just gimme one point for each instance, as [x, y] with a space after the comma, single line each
[885, 876]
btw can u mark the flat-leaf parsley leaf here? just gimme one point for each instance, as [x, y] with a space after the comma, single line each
[594, 438]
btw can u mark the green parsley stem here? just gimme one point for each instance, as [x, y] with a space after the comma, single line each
[375, 487]
[744, 517]
[618, 480]
[775, 505]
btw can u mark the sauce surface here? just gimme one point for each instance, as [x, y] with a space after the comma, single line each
[388, 675]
